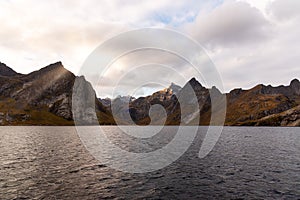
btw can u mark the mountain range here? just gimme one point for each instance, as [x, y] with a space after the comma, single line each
[44, 97]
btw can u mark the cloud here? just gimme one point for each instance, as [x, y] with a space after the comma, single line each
[250, 41]
[271, 56]
[36, 33]
[231, 24]
[285, 10]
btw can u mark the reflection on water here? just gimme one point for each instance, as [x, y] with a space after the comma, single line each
[247, 162]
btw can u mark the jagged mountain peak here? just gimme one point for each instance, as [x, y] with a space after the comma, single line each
[214, 89]
[295, 86]
[196, 85]
[81, 78]
[56, 65]
[174, 88]
[49, 72]
[45, 97]
[194, 81]
[295, 82]
[7, 71]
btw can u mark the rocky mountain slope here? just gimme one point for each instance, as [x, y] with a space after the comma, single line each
[289, 117]
[44, 97]
[7, 71]
[244, 107]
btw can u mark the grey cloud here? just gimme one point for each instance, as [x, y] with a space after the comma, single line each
[231, 24]
[285, 9]
[247, 46]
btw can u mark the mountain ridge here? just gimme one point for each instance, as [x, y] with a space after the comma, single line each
[7, 71]
[44, 97]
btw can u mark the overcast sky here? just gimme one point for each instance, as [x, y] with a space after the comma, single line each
[250, 42]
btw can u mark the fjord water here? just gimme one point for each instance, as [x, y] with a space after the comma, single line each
[246, 163]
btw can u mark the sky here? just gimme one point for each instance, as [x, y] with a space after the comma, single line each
[249, 41]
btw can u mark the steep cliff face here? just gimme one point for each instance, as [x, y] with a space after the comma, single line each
[86, 108]
[166, 98]
[43, 96]
[244, 107]
[181, 105]
[50, 86]
[295, 86]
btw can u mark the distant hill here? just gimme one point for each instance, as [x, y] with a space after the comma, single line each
[44, 97]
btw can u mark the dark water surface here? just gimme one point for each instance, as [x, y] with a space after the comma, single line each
[246, 163]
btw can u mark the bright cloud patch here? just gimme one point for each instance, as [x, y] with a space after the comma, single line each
[249, 41]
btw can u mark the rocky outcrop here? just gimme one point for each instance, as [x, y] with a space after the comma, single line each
[83, 100]
[166, 98]
[50, 86]
[289, 117]
[47, 92]
[292, 91]
[244, 107]
[106, 102]
[46, 96]
[295, 86]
